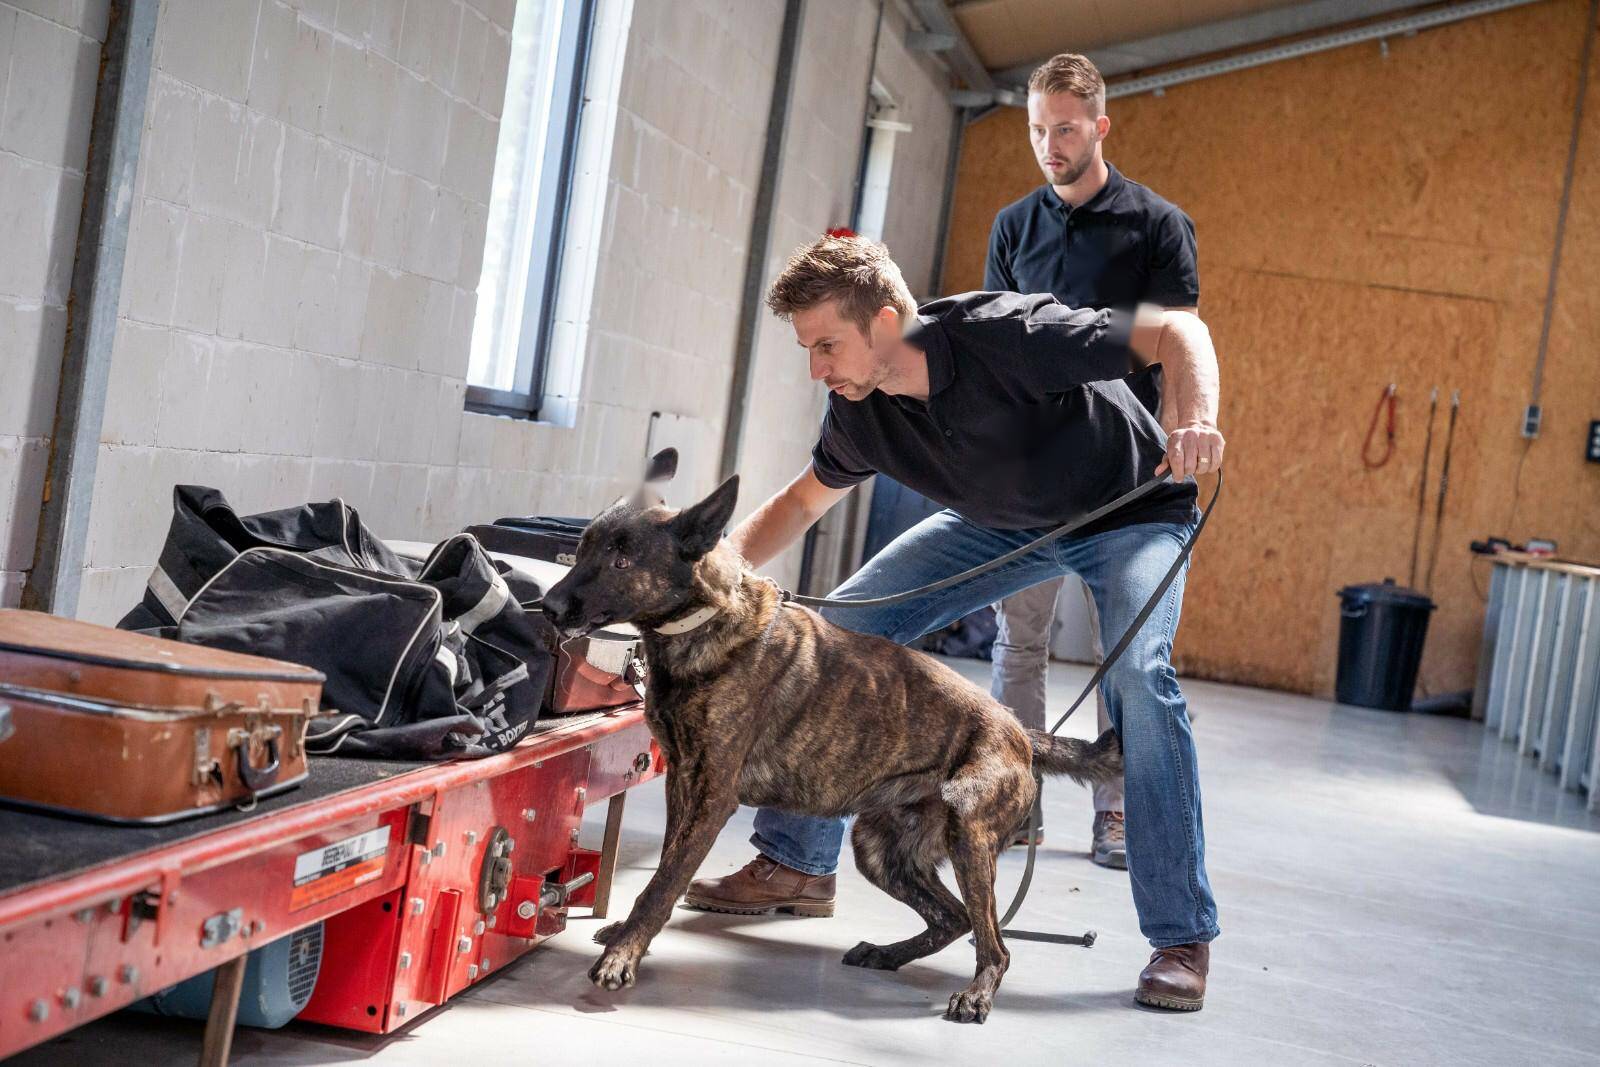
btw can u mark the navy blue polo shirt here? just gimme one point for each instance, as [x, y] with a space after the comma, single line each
[1123, 247]
[1029, 420]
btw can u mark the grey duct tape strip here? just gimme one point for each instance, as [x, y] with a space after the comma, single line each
[166, 591]
[493, 601]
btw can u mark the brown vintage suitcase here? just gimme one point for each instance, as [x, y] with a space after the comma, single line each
[596, 674]
[129, 728]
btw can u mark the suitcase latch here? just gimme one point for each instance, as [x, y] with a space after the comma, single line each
[206, 768]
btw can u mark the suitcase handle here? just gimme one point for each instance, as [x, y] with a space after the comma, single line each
[255, 779]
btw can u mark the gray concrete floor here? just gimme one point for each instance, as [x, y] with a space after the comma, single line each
[1393, 889]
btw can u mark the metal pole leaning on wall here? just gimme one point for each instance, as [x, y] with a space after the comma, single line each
[124, 85]
[755, 267]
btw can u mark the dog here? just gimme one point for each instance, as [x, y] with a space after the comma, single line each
[766, 703]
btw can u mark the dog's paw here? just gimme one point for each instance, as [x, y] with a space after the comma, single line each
[968, 1006]
[607, 933]
[873, 957]
[614, 971]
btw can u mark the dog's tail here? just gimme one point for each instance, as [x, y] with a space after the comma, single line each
[1086, 762]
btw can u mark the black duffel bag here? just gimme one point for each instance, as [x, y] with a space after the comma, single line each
[423, 661]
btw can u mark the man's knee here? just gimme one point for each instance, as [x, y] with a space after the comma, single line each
[1143, 689]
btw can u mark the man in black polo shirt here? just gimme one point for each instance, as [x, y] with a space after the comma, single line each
[1013, 413]
[1094, 239]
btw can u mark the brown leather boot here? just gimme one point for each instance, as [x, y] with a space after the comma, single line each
[762, 886]
[1175, 978]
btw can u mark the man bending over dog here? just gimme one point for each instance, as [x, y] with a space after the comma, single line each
[1012, 412]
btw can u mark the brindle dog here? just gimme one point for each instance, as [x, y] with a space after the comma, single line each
[766, 703]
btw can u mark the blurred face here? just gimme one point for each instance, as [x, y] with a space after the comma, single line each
[1064, 132]
[843, 358]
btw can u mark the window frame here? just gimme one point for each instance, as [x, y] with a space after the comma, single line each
[552, 203]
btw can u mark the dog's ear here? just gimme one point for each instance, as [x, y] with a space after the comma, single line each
[662, 466]
[699, 528]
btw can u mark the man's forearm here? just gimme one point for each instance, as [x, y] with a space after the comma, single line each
[1189, 361]
[770, 529]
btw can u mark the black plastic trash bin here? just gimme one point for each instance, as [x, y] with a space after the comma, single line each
[1382, 627]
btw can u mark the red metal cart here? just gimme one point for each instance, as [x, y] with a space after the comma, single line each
[428, 878]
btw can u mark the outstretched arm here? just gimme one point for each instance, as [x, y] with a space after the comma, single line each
[780, 522]
[1180, 342]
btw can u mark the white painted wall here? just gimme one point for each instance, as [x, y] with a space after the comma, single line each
[309, 217]
[49, 52]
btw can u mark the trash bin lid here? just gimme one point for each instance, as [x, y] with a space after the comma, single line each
[1386, 592]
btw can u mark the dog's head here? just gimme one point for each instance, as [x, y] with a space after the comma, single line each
[636, 561]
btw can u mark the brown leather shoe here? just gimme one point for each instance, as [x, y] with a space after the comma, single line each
[1175, 978]
[762, 886]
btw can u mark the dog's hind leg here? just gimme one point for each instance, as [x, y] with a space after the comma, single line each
[898, 850]
[987, 801]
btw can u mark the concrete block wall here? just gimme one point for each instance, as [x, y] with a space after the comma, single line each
[49, 55]
[822, 155]
[309, 216]
[921, 157]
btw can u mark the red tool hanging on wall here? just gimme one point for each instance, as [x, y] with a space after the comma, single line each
[1387, 399]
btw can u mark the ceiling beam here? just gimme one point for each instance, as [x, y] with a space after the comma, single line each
[1175, 47]
[936, 19]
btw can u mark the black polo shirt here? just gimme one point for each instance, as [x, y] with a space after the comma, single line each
[1028, 421]
[1122, 247]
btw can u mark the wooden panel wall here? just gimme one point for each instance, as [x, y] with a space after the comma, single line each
[1364, 219]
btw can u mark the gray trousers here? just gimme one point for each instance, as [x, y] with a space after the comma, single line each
[1022, 665]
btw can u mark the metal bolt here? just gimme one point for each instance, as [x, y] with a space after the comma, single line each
[399, 1011]
[464, 945]
[529, 814]
[510, 845]
[477, 928]
[417, 905]
[472, 971]
[98, 986]
[127, 974]
[405, 961]
[85, 916]
[70, 998]
[493, 902]
[491, 922]
[39, 1011]
[438, 850]
[486, 965]
[641, 762]
[527, 909]
[427, 858]
[472, 837]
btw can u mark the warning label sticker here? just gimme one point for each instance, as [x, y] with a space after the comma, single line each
[337, 868]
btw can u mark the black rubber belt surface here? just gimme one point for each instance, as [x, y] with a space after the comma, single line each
[37, 847]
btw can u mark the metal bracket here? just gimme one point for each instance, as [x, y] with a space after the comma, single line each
[494, 877]
[221, 927]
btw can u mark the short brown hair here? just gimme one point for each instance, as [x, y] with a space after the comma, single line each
[1071, 73]
[854, 271]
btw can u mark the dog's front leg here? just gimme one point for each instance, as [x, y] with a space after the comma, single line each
[698, 806]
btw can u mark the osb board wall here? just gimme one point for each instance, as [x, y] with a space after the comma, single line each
[1364, 219]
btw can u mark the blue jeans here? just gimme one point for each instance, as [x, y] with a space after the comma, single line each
[1166, 841]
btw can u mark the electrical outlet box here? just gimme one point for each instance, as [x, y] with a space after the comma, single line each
[1531, 419]
[1591, 452]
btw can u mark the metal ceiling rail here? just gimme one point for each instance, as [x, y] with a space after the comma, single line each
[1395, 27]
